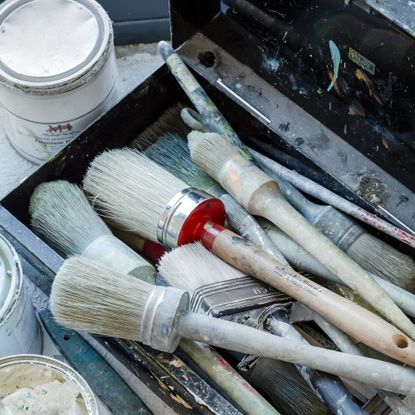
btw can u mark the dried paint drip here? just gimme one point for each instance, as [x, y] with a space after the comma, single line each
[335, 57]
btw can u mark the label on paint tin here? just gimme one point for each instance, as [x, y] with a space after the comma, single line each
[39, 141]
[360, 60]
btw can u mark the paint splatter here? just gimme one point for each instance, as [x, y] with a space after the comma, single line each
[335, 57]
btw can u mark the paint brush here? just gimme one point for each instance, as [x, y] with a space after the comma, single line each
[218, 289]
[88, 297]
[140, 196]
[301, 260]
[370, 252]
[172, 153]
[260, 195]
[62, 216]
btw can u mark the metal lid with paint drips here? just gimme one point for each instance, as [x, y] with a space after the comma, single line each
[52, 44]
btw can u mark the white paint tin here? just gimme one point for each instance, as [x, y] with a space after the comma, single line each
[58, 72]
[20, 331]
[41, 369]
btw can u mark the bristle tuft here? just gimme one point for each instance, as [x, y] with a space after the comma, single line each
[88, 297]
[168, 122]
[210, 152]
[287, 390]
[192, 266]
[61, 214]
[381, 259]
[172, 153]
[131, 190]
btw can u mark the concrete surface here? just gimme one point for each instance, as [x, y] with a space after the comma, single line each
[135, 63]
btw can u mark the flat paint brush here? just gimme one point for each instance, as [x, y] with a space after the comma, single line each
[88, 297]
[172, 153]
[140, 196]
[370, 252]
[219, 289]
[62, 216]
[301, 260]
[260, 195]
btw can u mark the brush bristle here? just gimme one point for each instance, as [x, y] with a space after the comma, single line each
[131, 190]
[88, 297]
[172, 153]
[60, 213]
[168, 122]
[210, 152]
[381, 259]
[286, 389]
[192, 266]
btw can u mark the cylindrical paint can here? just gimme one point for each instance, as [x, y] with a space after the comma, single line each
[58, 72]
[20, 331]
[42, 385]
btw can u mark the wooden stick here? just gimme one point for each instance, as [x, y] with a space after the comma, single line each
[359, 323]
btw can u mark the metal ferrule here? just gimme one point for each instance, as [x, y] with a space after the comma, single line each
[176, 213]
[159, 325]
[235, 296]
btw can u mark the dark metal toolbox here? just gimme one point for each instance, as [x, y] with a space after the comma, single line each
[268, 71]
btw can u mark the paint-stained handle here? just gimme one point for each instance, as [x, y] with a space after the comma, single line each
[354, 320]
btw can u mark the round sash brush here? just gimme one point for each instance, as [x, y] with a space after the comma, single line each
[172, 153]
[88, 297]
[370, 252]
[140, 196]
[62, 216]
[260, 195]
[215, 285]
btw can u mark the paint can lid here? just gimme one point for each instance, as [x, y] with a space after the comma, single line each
[10, 278]
[47, 43]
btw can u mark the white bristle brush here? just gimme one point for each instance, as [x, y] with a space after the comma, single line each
[61, 214]
[140, 196]
[172, 153]
[88, 297]
[260, 195]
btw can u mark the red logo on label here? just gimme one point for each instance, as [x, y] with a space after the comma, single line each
[59, 128]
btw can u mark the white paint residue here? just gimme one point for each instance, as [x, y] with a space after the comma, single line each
[32, 390]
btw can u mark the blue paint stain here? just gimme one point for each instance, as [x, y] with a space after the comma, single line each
[335, 57]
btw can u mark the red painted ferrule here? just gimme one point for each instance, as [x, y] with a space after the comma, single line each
[212, 231]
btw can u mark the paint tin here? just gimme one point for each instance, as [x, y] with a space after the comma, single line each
[58, 72]
[28, 371]
[19, 329]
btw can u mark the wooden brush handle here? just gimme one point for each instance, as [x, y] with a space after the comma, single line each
[354, 320]
[268, 202]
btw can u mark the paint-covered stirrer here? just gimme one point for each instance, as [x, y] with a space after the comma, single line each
[140, 196]
[88, 297]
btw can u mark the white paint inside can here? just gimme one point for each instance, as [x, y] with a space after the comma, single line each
[33, 384]
[57, 72]
[19, 329]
